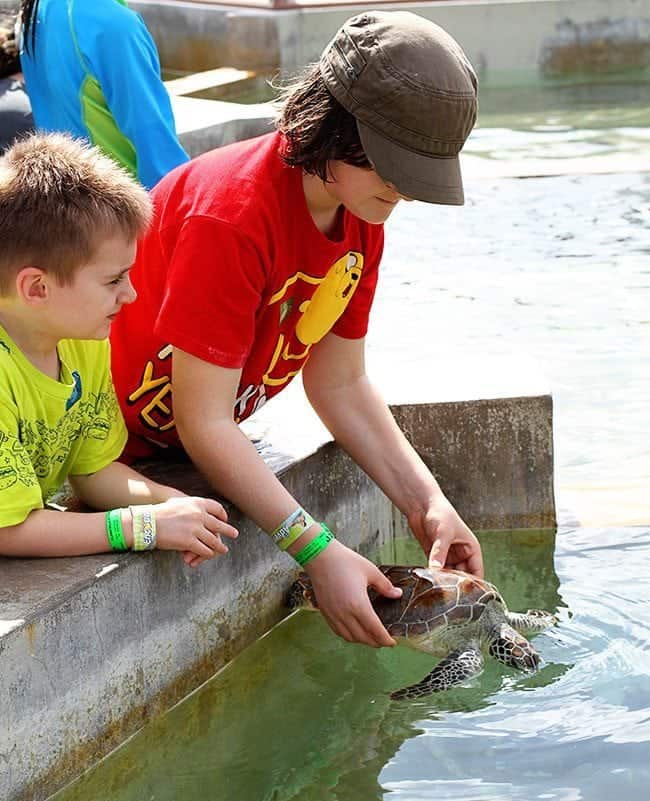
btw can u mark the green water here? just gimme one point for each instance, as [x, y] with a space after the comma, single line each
[302, 716]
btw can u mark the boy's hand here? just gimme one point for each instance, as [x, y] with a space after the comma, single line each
[341, 578]
[446, 539]
[194, 526]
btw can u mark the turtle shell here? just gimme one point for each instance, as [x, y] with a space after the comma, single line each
[431, 599]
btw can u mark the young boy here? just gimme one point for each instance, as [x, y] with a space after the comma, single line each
[69, 220]
[262, 263]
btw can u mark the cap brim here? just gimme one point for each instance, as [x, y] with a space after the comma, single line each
[426, 178]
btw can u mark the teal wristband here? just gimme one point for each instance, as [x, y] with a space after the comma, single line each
[316, 546]
[114, 530]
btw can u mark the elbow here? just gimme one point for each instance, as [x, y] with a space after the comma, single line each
[196, 430]
[10, 540]
[185, 427]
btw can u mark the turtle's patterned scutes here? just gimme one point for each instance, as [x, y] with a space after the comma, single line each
[432, 600]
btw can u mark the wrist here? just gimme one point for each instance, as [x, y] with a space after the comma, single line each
[434, 507]
[314, 547]
[163, 493]
[305, 538]
[424, 496]
[321, 560]
[302, 537]
[127, 526]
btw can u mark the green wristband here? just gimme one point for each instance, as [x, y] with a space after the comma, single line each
[316, 546]
[114, 530]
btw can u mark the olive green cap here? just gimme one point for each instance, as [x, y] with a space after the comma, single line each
[413, 94]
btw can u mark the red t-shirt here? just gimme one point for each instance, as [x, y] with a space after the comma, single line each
[235, 272]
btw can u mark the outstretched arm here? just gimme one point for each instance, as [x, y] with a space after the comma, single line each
[359, 419]
[193, 526]
[204, 399]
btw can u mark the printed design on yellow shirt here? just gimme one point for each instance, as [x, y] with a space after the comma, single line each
[15, 465]
[40, 449]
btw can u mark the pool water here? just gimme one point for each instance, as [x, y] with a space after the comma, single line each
[302, 716]
[537, 285]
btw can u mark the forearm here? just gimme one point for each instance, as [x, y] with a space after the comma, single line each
[360, 421]
[234, 468]
[49, 533]
[119, 485]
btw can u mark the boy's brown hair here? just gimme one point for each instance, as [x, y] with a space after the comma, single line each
[59, 197]
[316, 127]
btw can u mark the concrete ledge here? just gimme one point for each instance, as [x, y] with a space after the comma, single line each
[508, 41]
[90, 648]
[494, 458]
[203, 125]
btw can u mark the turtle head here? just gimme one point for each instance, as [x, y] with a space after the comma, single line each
[512, 649]
[301, 594]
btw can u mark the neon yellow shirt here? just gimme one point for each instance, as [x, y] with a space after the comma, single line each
[52, 429]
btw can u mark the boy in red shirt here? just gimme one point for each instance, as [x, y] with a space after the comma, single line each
[262, 263]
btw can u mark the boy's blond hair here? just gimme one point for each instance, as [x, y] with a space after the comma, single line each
[59, 197]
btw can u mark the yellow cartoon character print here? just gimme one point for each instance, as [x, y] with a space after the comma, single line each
[330, 299]
[318, 314]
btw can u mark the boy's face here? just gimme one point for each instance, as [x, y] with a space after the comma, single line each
[86, 307]
[362, 192]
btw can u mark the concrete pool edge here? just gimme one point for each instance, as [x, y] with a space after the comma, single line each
[122, 643]
[506, 40]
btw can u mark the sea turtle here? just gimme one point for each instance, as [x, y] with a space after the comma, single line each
[450, 614]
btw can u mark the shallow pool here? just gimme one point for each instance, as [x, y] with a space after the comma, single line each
[302, 716]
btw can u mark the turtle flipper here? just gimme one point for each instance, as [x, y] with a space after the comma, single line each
[455, 668]
[531, 621]
[509, 647]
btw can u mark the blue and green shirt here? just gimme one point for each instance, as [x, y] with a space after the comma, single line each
[94, 72]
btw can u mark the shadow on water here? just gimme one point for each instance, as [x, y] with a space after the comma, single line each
[302, 715]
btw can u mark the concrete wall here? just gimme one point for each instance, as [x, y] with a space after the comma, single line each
[509, 43]
[92, 647]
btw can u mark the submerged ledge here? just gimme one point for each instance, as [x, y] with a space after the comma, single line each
[93, 647]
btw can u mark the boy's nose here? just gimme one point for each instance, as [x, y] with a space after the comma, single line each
[129, 294]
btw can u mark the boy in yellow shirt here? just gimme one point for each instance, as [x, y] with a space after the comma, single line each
[69, 222]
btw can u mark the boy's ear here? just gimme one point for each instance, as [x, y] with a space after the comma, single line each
[32, 285]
